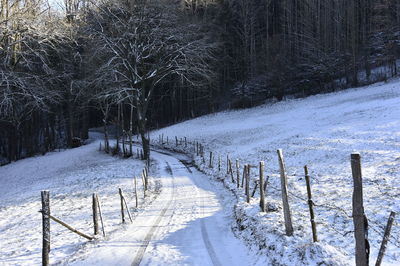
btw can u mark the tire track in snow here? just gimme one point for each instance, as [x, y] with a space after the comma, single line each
[204, 234]
[140, 253]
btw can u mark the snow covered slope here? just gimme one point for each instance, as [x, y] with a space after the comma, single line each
[321, 132]
[71, 176]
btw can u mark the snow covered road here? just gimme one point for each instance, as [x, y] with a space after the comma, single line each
[186, 225]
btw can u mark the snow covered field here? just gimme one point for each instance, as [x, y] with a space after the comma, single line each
[71, 176]
[321, 132]
[192, 227]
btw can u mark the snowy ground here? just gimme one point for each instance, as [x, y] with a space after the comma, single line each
[188, 224]
[188, 220]
[321, 132]
[71, 176]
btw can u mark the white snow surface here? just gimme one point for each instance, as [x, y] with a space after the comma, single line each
[189, 223]
[321, 132]
[188, 218]
[71, 176]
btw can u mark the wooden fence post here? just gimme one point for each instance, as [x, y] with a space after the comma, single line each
[385, 239]
[211, 160]
[95, 209]
[310, 205]
[227, 164]
[185, 142]
[101, 215]
[45, 195]
[285, 198]
[127, 209]
[176, 140]
[135, 186]
[144, 173]
[219, 163]
[262, 195]
[231, 171]
[144, 185]
[248, 184]
[237, 174]
[244, 174]
[122, 205]
[359, 218]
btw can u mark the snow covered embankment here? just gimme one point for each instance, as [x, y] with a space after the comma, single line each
[71, 176]
[321, 132]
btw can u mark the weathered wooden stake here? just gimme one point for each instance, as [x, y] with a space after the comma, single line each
[144, 185]
[231, 171]
[262, 194]
[244, 174]
[227, 164]
[45, 195]
[219, 163]
[359, 218]
[122, 205]
[95, 214]
[176, 140]
[145, 179]
[385, 238]
[254, 190]
[237, 173]
[101, 215]
[310, 205]
[248, 184]
[211, 160]
[185, 142]
[285, 199]
[136, 195]
[127, 209]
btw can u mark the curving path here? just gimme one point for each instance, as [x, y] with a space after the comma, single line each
[185, 225]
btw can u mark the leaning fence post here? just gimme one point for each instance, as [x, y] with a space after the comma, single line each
[237, 174]
[45, 195]
[227, 164]
[285, 199]
[385, 239]
[136, 195]
[231, 171]
[244, 174]
[359, 218]
[101, 215]
[248, 184]
[310, 205]
[95, 214]
[122, 205]
[262, 195]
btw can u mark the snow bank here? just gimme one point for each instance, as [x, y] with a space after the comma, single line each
[320, 131]
[71, 176]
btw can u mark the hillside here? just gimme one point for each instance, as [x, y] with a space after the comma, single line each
[321, 132]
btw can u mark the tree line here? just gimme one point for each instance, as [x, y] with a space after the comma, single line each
[142, 64]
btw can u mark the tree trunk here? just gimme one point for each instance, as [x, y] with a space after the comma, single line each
[130, 130]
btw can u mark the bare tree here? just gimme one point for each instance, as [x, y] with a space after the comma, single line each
[146, 44]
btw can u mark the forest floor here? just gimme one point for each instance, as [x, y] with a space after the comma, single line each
[190, 218]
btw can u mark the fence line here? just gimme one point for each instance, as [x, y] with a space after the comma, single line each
[309, 201]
